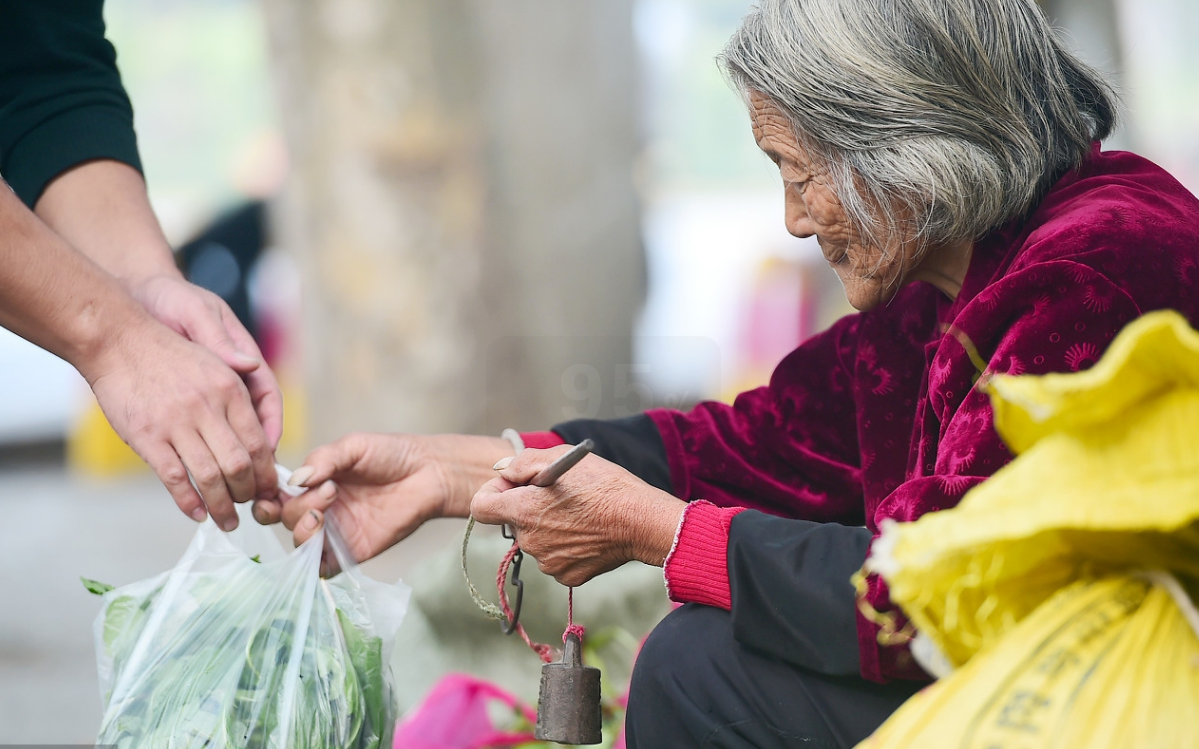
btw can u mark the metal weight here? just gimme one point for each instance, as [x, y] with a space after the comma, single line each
[568, 710]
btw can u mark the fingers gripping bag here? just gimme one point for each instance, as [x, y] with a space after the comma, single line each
[242, 645]
[1057, 599]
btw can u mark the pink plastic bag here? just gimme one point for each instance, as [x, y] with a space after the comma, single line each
[454, 716]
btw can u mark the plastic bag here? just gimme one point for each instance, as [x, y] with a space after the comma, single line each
[1061, 589]
[455, 715]
[226, 651]
[1107, 663]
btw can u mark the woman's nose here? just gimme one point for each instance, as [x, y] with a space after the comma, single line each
[799, 223]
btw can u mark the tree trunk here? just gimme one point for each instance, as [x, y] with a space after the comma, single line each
[461, 189]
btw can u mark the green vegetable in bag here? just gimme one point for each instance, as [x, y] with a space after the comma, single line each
[225, 651]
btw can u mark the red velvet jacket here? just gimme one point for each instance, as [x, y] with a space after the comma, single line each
[882, 416]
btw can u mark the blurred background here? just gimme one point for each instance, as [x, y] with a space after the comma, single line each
[448, 215]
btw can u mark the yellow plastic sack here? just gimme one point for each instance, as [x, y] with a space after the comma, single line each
[1108, 663]
[1107, 479]
[1061, 589]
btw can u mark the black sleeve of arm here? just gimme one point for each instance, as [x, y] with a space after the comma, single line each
[61, 98]
[792, 598]
[633, 443]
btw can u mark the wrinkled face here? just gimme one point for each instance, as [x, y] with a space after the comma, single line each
[871, 275]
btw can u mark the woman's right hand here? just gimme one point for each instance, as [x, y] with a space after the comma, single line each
[382, 487]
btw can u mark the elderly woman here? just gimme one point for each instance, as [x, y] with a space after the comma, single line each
[945, 155]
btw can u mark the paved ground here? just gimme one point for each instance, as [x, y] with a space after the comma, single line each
[54, 528]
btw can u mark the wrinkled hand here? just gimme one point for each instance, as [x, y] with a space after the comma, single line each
[183, 410]
[594, 519]
[382, 487]
[203, 317]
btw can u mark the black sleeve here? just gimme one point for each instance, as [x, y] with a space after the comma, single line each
[61, 98]
[633, 443]
[792, 598]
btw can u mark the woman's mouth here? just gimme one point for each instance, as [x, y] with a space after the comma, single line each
[836, 255]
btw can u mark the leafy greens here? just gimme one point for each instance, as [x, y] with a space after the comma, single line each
[221, 659]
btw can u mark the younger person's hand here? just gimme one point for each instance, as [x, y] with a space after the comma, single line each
[203, 317]
[184, 412]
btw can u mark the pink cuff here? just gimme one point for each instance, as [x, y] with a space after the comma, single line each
[697, 568]
[541, 440]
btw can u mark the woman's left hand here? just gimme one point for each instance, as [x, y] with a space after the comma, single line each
[594, 519]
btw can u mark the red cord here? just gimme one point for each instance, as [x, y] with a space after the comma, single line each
[545, 652]
[578, 630]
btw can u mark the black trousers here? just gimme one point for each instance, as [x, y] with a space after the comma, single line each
[695, 686]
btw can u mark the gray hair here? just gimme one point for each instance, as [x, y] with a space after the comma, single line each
[946, 118]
